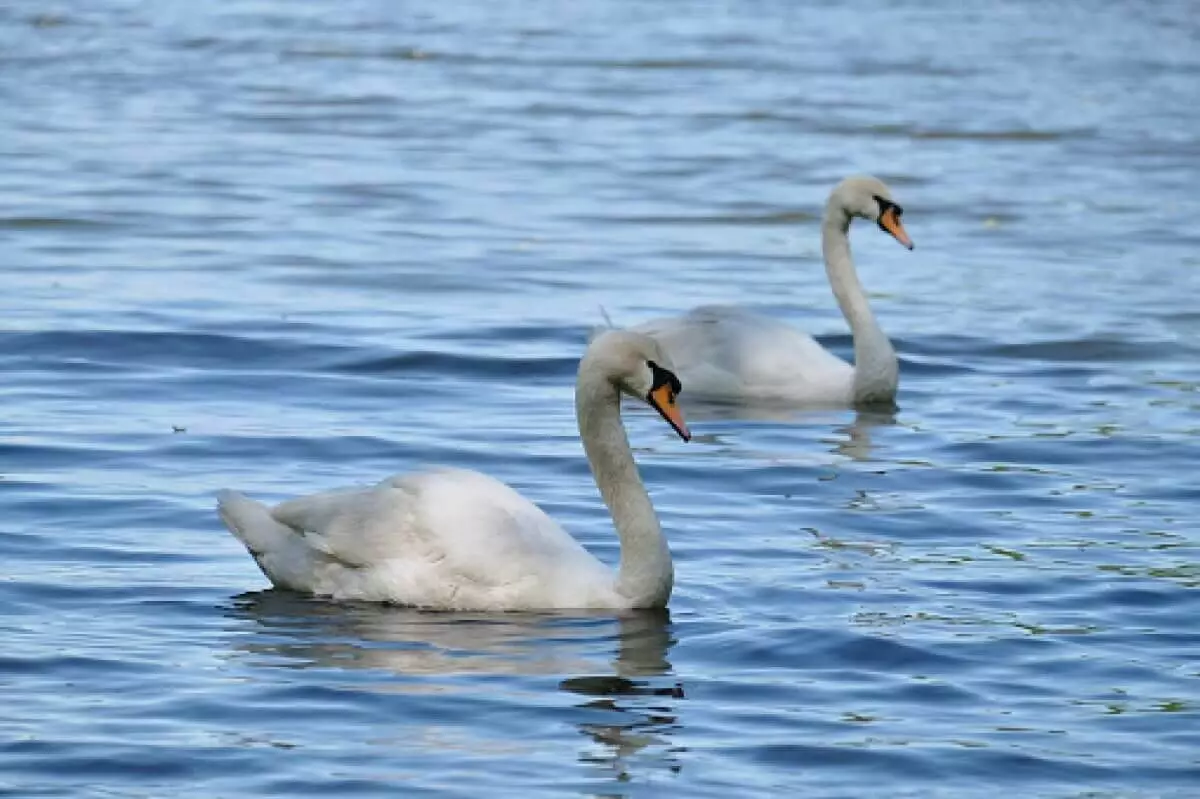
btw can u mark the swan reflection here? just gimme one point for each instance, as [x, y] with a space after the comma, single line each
[852, 439]
[634, 709]
[622, 677]
[856, 443]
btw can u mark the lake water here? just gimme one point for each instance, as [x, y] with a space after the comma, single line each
[286, 247]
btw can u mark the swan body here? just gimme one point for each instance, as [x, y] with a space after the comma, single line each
[732, 354]
[455, 539]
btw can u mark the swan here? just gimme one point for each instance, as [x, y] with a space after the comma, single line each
[454, 539]
[731, 354]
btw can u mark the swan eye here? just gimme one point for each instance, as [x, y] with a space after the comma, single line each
[889, 221]
[664, 387]
[886, 204]
[660, 377]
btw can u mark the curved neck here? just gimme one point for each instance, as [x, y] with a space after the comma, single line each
[876, 371]
[646, 574]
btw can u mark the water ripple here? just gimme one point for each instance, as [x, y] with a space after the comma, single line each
[288, 247]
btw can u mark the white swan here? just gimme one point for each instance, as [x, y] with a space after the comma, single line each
[453, 539]
[729, 353]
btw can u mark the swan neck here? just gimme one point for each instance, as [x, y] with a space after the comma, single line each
[876, 370]
[646, 574]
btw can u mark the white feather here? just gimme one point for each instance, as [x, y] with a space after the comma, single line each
[459, 540]
[726, 353]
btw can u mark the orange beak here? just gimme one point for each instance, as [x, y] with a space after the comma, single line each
[662, 399]
[890, 222]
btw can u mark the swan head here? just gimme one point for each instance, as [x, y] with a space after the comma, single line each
[870, 198]
[636, 365]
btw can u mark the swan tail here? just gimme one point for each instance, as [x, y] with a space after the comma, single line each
[251, 523]
[596, 330]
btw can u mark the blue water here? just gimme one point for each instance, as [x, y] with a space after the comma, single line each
[287, 247]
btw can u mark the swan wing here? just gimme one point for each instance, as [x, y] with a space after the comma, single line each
[443, 538]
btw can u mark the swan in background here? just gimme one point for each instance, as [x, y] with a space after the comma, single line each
[729, 353]
[453, 539]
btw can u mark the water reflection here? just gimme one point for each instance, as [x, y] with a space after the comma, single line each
[857, 443]
[301, 632]
[623, 675]
[852, 439]
[704, 410]
[634, 710]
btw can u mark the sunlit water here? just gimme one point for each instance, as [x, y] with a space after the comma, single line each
[286, 247]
